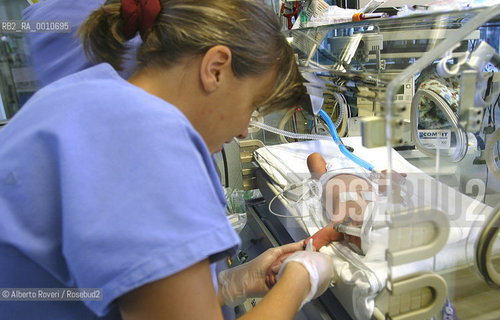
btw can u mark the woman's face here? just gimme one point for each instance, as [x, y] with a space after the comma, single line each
[238, 100]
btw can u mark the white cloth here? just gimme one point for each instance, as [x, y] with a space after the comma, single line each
[287, 164]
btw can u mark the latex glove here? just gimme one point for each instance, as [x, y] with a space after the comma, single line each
[254, 279]
[319, 266]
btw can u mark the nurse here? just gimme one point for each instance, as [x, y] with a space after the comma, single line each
[107, 183]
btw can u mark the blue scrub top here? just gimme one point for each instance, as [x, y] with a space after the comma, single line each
[103, 185]
[54, 55]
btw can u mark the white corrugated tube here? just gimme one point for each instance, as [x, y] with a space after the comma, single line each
[288, 134]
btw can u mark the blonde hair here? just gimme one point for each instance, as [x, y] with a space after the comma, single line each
[191, 27]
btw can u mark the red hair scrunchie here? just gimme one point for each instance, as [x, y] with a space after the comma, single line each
[139, 15]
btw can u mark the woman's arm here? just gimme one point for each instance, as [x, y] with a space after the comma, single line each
[190, 294]
[255, 278]
[284, 299]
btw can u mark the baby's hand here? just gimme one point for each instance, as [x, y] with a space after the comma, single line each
[324, 236]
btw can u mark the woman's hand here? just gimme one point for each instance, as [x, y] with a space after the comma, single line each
[318, 265]
[254, 278]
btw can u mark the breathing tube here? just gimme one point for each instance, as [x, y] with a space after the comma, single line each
[292, 135]
[332, 129]
[341, 146]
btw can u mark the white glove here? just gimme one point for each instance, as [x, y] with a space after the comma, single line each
[319, 266]
[255, 278]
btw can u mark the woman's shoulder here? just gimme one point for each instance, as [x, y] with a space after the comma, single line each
[100, 77]
[98, 96]
[101, 89]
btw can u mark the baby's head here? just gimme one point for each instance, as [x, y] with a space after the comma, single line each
[316, 164]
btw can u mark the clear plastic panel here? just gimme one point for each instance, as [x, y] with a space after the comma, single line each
[426, 87]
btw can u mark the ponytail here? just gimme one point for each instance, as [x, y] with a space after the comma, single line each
[172, 29]
[103, 35]
[106, 31]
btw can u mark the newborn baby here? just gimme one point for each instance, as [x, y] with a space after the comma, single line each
[346, 194]
[344, 198]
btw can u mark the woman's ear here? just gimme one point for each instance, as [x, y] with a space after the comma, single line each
[215, 65]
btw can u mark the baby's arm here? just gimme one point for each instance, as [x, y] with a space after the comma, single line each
[350, 210]
[326, 235]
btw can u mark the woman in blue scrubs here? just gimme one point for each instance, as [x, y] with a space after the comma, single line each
[109, 183]
[54, 55]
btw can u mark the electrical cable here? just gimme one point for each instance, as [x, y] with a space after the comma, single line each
[300, 218]
[226, 171]
[281, 194]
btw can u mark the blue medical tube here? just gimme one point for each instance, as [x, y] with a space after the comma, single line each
[341, 146]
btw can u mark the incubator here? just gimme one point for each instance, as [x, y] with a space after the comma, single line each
[416, 95]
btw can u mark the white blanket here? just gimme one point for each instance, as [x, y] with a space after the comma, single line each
[286, 164]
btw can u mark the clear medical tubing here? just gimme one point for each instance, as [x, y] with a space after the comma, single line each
[371, 6]
[341, 146]
[481, 245]
[304, 136]
[288, 134]
[490, 154]
[462, 141]
[341, 105]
